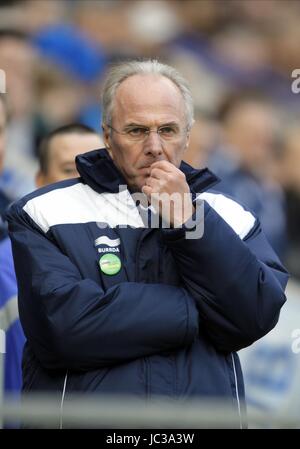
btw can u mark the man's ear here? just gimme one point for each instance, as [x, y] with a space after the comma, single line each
[40, 179]
[107, 139]
[187, 142]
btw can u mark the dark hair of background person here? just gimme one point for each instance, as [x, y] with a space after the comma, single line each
[239, 98]
[11, 33]
[2, 99]
[43, 150]
[5, 107]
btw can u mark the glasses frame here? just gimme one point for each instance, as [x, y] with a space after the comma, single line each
[147, 133]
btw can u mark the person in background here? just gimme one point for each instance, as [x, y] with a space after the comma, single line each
[244, 158]
[58, 150]
[204, 138]
[289, 176]
[57, 154]
[4, 199]
[9, 317]
[110, 305]
[271, 365]
[18, 61]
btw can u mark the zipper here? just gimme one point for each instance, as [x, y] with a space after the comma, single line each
[146, 360]
[237, 392]
[136, 256]
[62, 401]
[147, 377]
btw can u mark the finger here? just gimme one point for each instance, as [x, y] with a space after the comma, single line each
[152, 182]
[157, 173]
[149, 181]
[164, 165]
[147, 190]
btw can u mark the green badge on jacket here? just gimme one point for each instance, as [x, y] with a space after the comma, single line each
[110, 264]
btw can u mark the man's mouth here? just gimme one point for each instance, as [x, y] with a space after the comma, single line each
[146, 168]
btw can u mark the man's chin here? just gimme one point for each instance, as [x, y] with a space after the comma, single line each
[136, 183]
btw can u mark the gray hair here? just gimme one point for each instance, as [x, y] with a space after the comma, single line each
[120, 72]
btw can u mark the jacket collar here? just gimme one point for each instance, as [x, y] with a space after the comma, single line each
[199, 180]
[97, 169]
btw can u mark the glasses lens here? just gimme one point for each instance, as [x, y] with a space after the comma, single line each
[137, 133]
[166, 133]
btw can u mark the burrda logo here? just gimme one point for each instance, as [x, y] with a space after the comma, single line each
[110, 244]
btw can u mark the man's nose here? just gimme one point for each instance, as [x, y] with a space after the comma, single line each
[153, 145]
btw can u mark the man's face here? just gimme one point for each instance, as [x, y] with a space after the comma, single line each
[2, 134]
[289, 165]
[251, 130]
[150, 101]
[17, 59]
[61, 156]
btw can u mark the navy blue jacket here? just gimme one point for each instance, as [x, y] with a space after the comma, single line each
[169, 322]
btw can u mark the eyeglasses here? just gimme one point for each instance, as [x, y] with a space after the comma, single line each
[140, 133]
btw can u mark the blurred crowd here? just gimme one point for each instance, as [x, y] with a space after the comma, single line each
[238, 56]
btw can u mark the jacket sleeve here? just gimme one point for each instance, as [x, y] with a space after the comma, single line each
[70, 322]
[238, 284]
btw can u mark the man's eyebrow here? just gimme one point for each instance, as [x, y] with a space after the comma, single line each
[131, 125]
[169, 124]
[141, 125]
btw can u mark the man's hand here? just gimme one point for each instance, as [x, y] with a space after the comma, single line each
[168, 191]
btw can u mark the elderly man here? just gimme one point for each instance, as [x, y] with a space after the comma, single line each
[110, 304]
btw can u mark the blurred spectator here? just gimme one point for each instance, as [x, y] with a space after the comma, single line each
[289, 173]
[71, 50]
[4, 199]
[244, 159]
[240, 50]
[57, 162]
[60, 97]
[244, 47]
[17, 61]
[271, 365]
[106, 22]
[29, 15]
[204, 137]
[9, 320]
[153, 24]
[68, 81]
[58, 151]
[9, 317]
